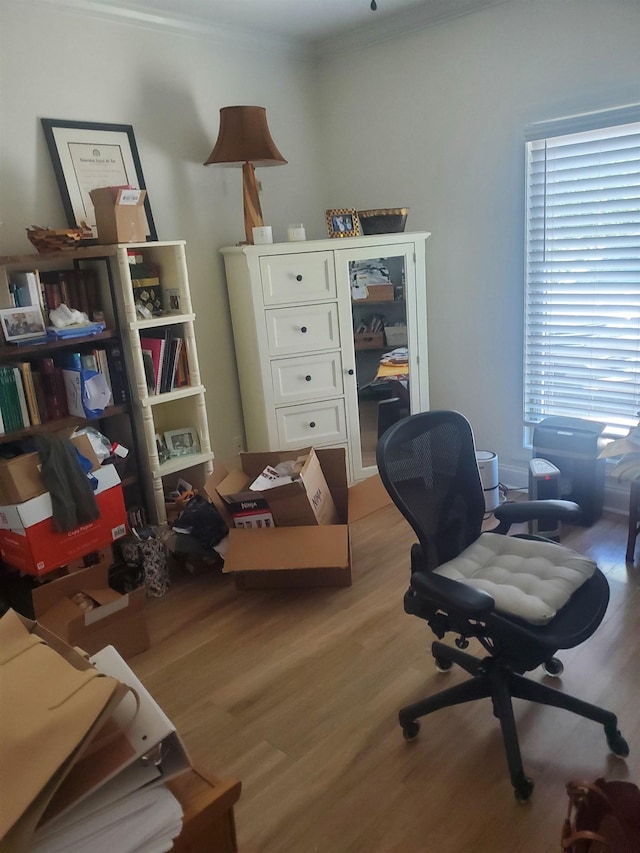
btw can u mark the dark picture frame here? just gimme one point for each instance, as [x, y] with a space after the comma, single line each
[342, 222]
[87, 155]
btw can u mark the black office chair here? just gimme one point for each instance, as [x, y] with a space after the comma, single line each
[508, 592]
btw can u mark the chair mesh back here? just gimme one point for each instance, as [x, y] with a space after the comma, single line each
[428, 465]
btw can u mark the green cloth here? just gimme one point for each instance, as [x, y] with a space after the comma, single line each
[72, 497]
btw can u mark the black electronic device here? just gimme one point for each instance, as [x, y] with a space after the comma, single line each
[573, 446]
[544, 485]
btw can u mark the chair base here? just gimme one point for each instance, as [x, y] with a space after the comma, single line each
[498, 683]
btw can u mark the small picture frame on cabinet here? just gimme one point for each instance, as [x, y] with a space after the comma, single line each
[342, 222]
[182, 442]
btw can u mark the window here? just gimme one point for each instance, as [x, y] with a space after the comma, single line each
[582, 298]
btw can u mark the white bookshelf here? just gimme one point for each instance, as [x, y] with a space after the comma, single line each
[181, 407]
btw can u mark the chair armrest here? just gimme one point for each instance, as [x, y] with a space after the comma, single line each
[517, 512]
[452, 595]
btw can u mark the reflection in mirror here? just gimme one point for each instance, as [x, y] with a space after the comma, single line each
[380, 342]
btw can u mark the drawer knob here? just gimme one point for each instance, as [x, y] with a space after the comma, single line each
[298, 278]
[303, 330]
[312, 424]
[350, 372]
[308, 378]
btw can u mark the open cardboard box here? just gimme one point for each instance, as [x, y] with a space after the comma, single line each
[305, 555]
[305, 500]
[20, 478]
[115, 619]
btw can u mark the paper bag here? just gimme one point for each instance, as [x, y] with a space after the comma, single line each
[52, 704]
[147, 750]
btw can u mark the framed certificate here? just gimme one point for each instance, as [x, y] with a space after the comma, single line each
[88, 155]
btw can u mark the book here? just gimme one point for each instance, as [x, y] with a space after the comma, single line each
[52, 291]
[155, 348]
[175, 357]
[30, 392]
[22, 400]
[118, 374]
[103, 367]
[53, 388]
[168, 373]
[36, 378]
[25, 289]
[182, 373]
[9, 401]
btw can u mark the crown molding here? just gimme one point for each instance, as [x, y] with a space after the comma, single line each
[307, 49]
[222, 34]
[400, 24]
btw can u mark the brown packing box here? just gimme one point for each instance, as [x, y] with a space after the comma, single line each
[20, 478]
[120, 214]
[116, 620]
[305, 501]
[304, 555]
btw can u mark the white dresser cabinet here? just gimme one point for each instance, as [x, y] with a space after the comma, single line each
[312, 324]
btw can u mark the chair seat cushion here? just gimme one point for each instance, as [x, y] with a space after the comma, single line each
[526, 578]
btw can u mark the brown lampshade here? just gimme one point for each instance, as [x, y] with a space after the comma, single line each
[244, 137]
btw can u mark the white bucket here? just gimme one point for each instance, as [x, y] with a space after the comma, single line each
[488, 467]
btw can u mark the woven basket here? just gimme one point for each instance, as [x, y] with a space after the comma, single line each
[55, 240]
[388, 221]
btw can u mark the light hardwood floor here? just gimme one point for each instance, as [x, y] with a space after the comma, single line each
[297, 693]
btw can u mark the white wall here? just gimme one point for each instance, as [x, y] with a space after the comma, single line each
[169, 87]
[434, 121]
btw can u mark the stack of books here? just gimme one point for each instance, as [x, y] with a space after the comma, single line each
[33, 392]
[165, 360]
[75, 288]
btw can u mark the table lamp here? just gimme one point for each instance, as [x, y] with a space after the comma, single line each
[244, 139]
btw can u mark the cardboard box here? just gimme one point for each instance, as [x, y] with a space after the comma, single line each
[303, 555]
[20, 478]
[306, 500]
[395, 336]
[117, 620]
[378, 293]
[249, 509]
[120, 214]
[368, 340]
[29, 543]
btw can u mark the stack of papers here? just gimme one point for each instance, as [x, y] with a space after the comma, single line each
[145, 821]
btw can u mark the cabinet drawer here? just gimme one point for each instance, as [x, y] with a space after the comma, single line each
[305, 377]
[297, 278]
[311, 424]
[303, 329]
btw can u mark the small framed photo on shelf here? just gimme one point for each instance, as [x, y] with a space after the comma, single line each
[172, 300]
[181, 442]
[22, 324]
[342, 222]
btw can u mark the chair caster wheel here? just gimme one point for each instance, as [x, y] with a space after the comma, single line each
[523, 789]
[410, 730]
[553, 667]
[443, 665]
[617, 744]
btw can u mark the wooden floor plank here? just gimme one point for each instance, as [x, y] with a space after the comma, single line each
[297, 692]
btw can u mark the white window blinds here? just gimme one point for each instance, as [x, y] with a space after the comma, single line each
[582, 300]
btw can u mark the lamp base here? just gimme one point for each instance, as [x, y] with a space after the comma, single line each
[251, 197]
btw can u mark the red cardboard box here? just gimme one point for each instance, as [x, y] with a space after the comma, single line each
[29, 543]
